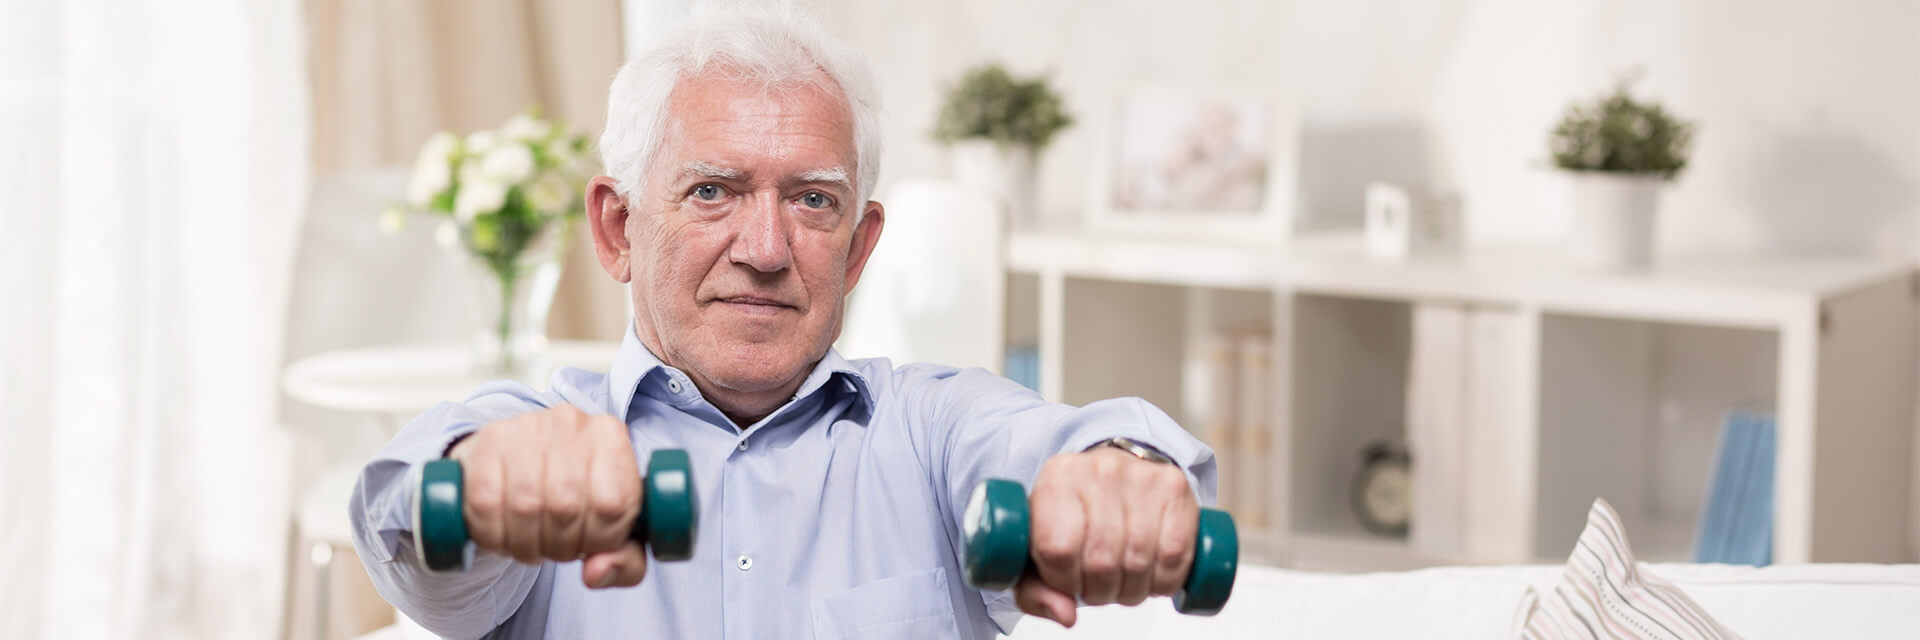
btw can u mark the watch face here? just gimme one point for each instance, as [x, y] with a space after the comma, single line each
[1382, 492]
[1385, 496]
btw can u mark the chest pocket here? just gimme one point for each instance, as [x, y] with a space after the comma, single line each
[914, 605]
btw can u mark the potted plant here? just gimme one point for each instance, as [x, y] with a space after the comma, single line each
[1620, 151]
[995, 125]
[506, 201]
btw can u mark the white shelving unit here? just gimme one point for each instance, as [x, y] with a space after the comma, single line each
[1576, 384]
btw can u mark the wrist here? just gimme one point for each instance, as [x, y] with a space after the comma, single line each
[453, 446]
[1135, 448]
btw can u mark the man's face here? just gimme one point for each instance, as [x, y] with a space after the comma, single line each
[743, 241]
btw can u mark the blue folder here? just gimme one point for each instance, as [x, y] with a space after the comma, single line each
[1736, 523]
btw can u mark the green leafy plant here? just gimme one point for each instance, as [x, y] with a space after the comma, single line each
[509, 197]
[989, 103]
[1616, 133]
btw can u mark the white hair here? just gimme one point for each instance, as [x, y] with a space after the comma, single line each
[776, 48]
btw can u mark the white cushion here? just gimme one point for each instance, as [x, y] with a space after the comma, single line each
[1800, 601]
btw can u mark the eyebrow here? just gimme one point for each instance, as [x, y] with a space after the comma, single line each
[834, 175]
[704, 169]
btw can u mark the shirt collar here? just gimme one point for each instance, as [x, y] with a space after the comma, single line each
[635, 365]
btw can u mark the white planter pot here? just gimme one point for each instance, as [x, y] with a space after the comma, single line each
[1006, 171]
[1613, 219]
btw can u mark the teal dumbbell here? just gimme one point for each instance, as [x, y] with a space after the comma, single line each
[667, 520]
[997, 520]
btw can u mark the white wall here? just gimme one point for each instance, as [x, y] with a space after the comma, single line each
[1808, 110]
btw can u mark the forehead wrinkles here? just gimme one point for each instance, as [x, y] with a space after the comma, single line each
[701, 100]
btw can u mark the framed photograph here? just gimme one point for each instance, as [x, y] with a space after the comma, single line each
[1204, 166]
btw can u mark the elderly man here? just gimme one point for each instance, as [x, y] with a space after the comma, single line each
[741, 154]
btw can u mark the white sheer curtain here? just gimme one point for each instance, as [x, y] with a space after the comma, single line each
[153, 164]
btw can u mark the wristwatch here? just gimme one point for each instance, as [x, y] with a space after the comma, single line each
[1139, 449]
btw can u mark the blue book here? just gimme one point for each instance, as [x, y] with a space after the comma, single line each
[1736, 523]
[1023, 365]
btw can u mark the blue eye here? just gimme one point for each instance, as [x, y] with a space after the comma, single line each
[707, 192]
[816, 200]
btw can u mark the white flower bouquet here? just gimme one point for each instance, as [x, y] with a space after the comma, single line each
[508, 199]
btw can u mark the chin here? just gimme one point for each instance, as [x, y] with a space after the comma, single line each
[758, 368]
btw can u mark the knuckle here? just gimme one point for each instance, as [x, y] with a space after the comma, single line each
[609, 507]
[1170, 479]
[482, 494]
[1171, 560]
[1100, 561]
[564, 506]
[1055, 550]
[1137, 561]
[525, 504]
[1104, 465]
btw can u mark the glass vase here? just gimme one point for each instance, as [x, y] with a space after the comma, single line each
[512, 294]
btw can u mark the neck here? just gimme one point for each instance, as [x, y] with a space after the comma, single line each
[742, 407]
[745, 408]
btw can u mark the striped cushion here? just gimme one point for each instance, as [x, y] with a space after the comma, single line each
[1605, 594]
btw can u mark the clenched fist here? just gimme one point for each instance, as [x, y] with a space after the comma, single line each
[556, 485]
[1107, 527]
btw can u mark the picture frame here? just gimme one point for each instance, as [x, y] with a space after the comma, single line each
[1196, 164]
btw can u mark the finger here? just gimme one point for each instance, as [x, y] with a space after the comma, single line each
[1035, 597]
[1057, 534]
[622, 567]
[613, 491]
[1106, 542]
[564, 494]
[1138, 556]
[1179, 529]
[483, 501]
[523, 465]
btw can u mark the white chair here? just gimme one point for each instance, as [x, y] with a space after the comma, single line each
[353, 286]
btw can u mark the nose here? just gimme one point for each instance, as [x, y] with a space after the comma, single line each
[761, 240]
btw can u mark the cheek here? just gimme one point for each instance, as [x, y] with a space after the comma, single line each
[824, 268]
[668, 262]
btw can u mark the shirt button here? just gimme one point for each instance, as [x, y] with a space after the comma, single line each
[743, 445]
[673, 385]
[745, 563]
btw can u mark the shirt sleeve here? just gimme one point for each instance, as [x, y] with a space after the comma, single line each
[457, 605]
[981, 426]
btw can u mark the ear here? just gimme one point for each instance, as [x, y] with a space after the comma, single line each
[865, 236]
[607, 212]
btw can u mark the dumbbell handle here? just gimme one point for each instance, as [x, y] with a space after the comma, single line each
[997, 530]
[667, 521]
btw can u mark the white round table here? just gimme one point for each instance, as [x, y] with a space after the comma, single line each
[393, 383]
[396, 382]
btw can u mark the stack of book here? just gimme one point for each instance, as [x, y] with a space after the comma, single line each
[1023, 365]
[1736, 523]
[1237, 421]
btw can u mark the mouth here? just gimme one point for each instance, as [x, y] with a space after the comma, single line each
[754, 305]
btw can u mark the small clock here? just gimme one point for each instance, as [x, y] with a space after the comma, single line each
[1381, 491]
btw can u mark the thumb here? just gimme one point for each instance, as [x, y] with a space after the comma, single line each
[622, 567]
[1036, 597]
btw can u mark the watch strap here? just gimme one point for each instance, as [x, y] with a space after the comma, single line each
[1139, 449]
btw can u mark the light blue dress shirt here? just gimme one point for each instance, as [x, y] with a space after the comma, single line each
[838, 516]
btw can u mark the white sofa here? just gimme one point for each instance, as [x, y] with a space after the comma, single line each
[1798, 602]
